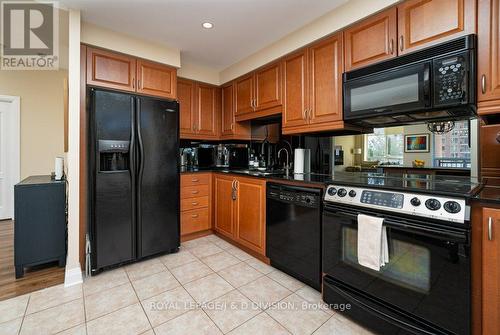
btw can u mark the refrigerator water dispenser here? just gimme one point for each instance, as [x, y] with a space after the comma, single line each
[113, 155]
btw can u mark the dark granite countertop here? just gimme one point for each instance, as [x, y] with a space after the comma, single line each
[490, 193]
[420, 183]
[40, 180]
[421, 168]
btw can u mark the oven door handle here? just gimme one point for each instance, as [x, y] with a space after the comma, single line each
[385, 315]
[402, 224]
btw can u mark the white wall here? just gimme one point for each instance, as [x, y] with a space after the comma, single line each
[337, 19]
[199, 73]
[73, 273]
[109, 39]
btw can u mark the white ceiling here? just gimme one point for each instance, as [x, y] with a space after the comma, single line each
[241, 27]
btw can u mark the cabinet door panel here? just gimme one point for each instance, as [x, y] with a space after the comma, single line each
[489, 51]
[422, 23]
[250, 214]
[227, 109]
[206, 110]
[490, 144]
[224, 205]
[244, 94]
[295, 88]
[491, 271]
[325, 84]
[111, 70]
[372, 40]
[187, 107]
[156, 79]
[268, 87]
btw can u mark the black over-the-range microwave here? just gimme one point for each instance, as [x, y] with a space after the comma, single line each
[437, 83]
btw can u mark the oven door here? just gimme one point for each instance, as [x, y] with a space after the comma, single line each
[425, 287]
[390, 92]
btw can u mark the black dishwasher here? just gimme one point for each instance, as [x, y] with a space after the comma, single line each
[294, 231]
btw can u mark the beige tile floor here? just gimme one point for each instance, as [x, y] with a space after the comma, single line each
[208, 287]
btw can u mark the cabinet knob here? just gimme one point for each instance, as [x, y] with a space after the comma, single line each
[401, 43]
[498, 137]
[194, 203]
[391, 46]
[483, 84]
[195, 180]
[195, 192]
[194, 216]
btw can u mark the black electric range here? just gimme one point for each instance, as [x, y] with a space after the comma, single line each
[424, 285]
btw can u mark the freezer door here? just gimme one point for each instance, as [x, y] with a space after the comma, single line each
[111, 153]
[158, 176]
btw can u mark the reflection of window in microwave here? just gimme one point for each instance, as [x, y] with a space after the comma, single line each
[409, 264]
[392, 92]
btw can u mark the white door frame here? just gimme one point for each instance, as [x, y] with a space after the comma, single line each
[14, 147]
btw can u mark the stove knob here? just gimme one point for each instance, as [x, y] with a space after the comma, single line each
[352, 193]
[415, 202]
[342, 192]
[332, 191]
[452, 207]
[433, 204]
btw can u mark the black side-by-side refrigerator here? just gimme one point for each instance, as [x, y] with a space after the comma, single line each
[134, 178]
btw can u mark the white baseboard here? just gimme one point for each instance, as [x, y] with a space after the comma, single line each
[73, 276]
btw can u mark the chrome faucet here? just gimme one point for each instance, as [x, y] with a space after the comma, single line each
[287, 166]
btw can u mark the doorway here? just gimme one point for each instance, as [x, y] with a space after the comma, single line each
[9, 153]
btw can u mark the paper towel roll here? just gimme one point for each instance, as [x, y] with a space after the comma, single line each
[59, 168]
[302, 161]
[298, 162]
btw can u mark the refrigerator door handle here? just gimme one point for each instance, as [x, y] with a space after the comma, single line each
[140, 170]
[133, 168]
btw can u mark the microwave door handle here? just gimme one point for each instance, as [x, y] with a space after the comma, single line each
[427, 84]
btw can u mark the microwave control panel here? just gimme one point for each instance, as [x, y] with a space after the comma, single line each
[451, 78]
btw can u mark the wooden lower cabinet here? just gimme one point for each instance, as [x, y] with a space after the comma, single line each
[224, 208]
[196, 203]
[491, 271]
[250, 213]
[240, 210]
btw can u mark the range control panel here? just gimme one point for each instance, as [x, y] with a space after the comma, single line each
[394, 200]
[451, 78]
[436, 207]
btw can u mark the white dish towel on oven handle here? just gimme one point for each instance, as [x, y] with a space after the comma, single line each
[373, 247]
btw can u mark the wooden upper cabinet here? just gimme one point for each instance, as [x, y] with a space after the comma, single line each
[110, 70]
[250, 214]
[325, 80]
[489, 56]
[491, 271]
[230, 129]
[268, 87]
[187, 107]
[224, 205]
[371, 40]
[156, 79]
[206, 121]
[244, 94]
[295, 89]
[422, 23]
[227, 124]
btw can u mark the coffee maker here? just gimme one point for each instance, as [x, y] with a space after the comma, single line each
[222, 156]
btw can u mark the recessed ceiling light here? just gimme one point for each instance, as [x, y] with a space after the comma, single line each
[207, 25]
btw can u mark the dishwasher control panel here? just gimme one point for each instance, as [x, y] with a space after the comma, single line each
[295, 197]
